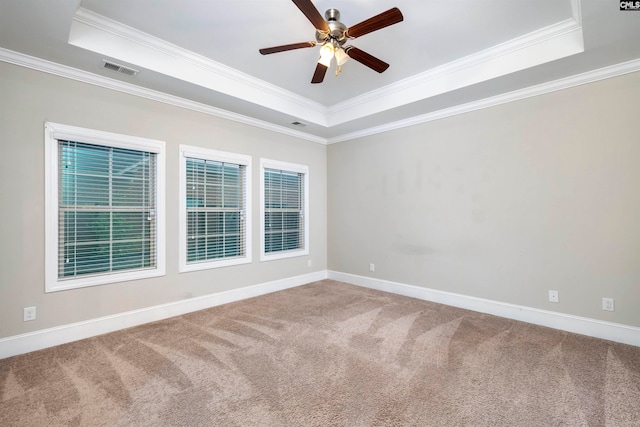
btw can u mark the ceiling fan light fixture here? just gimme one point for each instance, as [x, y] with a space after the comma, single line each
[326, 54]
[332, 35]
[341, 56]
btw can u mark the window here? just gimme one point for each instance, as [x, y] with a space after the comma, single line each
[104, 207]
[215, 223]
[284, 219]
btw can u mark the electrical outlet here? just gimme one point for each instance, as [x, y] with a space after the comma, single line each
[309, 263]
[553, 296]
[29, 313]
[372, 267]
[607, 304]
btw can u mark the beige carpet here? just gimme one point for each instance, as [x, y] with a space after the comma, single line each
[326, 354]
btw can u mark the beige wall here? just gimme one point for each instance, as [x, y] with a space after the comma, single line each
[504, 203]
[29, 98]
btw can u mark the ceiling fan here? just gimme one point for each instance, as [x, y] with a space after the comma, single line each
[332, 34]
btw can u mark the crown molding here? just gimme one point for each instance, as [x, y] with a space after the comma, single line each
[541, 89]
[469, 61]
[97, 80]
[571, 27]
[544, 45]
[576, 11]
[49, 67]
[97, 33]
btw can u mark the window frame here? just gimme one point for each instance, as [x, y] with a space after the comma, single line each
[216, 156]
[53, 133]
[285, 167]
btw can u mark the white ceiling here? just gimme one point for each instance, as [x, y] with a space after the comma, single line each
[446, 56]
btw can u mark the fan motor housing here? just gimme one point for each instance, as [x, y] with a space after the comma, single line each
[336, 29]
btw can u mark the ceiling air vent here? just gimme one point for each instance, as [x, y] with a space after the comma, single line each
[119, 68]
[300, 124]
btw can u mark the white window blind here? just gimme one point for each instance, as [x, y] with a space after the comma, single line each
[216, 211]
[284, 210]
[106, 209]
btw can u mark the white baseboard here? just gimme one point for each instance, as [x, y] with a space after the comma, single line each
[565, 322]
[25, 343]
[32, 341]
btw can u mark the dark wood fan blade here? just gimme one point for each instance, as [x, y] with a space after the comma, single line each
[390, 17]
[285, 47]
[318, 76]
[365, 59]
[312, 14]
